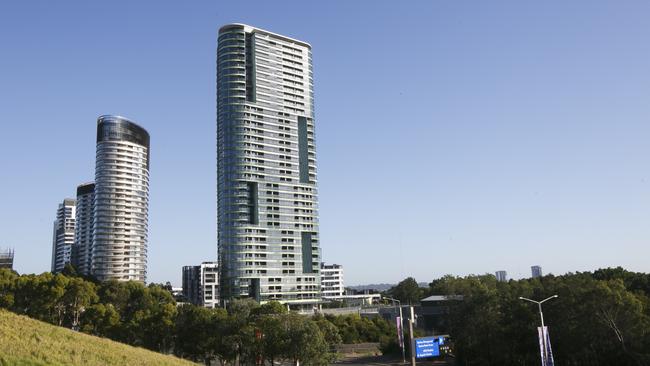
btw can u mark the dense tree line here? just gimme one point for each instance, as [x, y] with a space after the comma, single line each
[148, 316]
[599, 318]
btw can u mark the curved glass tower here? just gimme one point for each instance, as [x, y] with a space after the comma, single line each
[266, 168]
[120, 213]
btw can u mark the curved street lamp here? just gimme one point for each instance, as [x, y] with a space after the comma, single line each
[541, 316]
[401, 328]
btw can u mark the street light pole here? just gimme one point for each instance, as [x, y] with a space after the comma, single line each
[541, 316]
[401, 328]
[411, 337]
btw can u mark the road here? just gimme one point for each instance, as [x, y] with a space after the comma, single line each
[386, 361]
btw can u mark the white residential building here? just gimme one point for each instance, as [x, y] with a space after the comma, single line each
[210, 284]
[121, 202]
[201, 284]
[332, 285]
[63, 234]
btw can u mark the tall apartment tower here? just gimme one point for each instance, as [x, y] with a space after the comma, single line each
[536, 271]
[83, 238]
[266, 168]
[63, 235]
[120, 210]
[502, 276]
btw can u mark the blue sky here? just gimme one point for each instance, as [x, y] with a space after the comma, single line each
[452, 136]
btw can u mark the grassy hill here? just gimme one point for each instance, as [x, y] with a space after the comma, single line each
[25, 341]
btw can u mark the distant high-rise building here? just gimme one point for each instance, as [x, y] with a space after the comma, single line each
[536, 271]
[331, 279]
[7, 258]
[121, 202]
[192, 284]
[266, 168]
[82, 249]
[63, 235]
[502, 276]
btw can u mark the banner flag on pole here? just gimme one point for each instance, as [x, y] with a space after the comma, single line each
[549, 350]
[400, 333]
[545, 347]
[540, 336]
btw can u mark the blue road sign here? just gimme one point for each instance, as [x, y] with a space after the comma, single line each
[427, 347]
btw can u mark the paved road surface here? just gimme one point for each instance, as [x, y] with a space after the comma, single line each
[386, 361]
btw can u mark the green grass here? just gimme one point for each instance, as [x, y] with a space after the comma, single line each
[25, 341]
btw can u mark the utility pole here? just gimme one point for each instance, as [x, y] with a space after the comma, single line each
[401, 329]
[411, 338]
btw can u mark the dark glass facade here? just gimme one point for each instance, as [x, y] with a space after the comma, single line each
[115, 128]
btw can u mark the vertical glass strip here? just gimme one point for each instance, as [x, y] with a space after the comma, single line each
[307, 266]
[254, 289]
[250, 68]
[253, 208]
[303, 150]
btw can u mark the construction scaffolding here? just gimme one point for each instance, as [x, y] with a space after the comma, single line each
[7, 258]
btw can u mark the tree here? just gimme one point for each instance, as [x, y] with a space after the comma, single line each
[408, 291]
[600, 318]
[155, 318]
[100, 320]
[195, 335]
[272, 336]
[271, 307]
[593, 322]
[146, 313]
[69, 270]
[475, 320]
[306, 343]
[329, 331]
[78, 295]
[8, 279]
[240, 339]
[40, 296]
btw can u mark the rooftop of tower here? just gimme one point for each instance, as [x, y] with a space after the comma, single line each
[115, 117]
[138, 134]
[251, 28]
